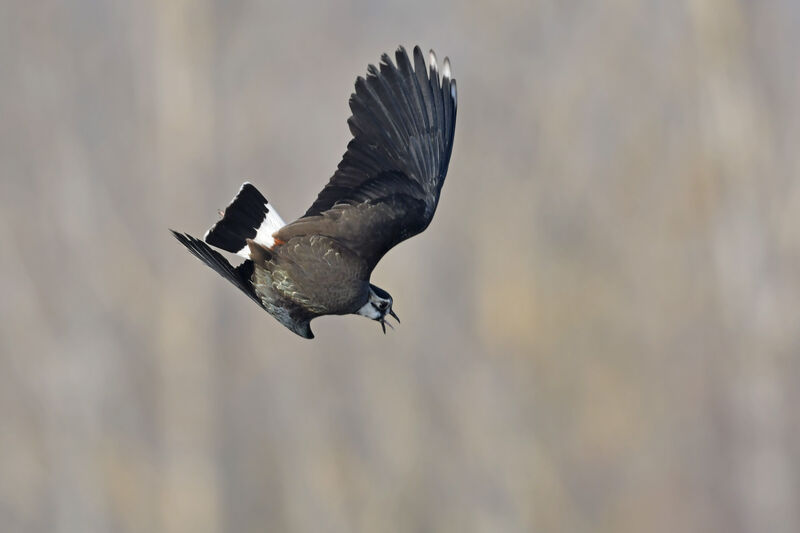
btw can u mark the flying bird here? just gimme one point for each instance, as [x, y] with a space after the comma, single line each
[384, 191]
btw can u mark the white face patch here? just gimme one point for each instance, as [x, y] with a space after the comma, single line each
[372, 309]
[368, 310]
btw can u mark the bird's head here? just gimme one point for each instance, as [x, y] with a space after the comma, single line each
[378, 306]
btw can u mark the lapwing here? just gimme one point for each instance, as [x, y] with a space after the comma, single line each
[384, 191]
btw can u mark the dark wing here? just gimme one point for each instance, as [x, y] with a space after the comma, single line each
[239, 276]
[387, 186]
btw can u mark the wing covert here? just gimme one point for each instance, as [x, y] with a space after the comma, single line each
[403, 123]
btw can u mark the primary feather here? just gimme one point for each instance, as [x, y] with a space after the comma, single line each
[385, 190]
[387, 186]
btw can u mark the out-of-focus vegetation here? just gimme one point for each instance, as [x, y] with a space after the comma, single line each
[600, 327]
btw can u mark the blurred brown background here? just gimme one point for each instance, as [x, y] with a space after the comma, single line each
[600, 328]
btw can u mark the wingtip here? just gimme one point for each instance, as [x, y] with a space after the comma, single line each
[432, 60]
[183, 238]
[402, 59]
[446, 68]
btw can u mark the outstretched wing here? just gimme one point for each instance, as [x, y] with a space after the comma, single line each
[240, 276]
[387, 185]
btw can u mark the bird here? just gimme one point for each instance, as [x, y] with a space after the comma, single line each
[385, 190]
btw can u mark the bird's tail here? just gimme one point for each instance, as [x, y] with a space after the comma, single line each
[249, 216]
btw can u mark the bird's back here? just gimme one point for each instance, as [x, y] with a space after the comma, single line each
[309, 276]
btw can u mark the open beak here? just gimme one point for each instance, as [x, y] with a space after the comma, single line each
[384, 323]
